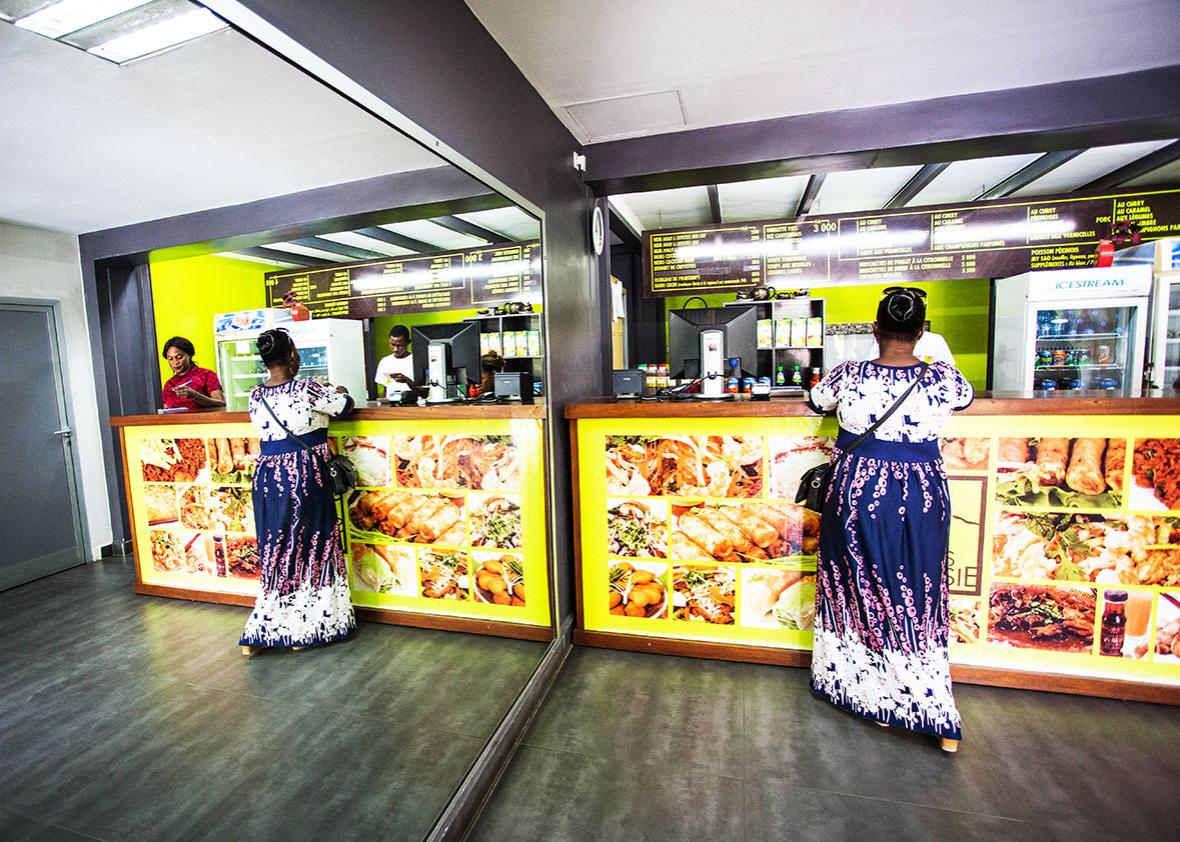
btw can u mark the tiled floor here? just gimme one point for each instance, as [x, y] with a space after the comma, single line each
[125, 717]
[642, 747]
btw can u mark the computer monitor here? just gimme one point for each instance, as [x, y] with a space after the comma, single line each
[739, 324]
[463, 339]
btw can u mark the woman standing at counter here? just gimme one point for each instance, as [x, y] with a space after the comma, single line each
[190, 386]
[304, 598]
[881, 624]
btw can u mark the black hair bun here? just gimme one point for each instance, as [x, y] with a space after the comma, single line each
[274, 345]
[901, 305]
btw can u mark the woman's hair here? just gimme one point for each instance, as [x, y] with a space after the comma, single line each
[900, 316]
[491, 361]
[274, 345]
[181, 344]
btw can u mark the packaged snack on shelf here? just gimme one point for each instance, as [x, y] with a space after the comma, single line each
[782, 333]
[799, 332]
[815, 332]
[766, 333]
[534, 343]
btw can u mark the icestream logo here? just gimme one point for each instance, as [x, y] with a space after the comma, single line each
[1103, 283]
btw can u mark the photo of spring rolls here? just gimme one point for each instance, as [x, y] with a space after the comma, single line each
[1061, 473]
[233, 460]
[407, 516]
[742, 532]
[384, 568]
[778, 599]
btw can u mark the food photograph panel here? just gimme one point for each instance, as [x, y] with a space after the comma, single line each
[384, 569]
[499, 579]
[494, 520]
[478, 463]
[793, 456]
[777, 599]
[1125, 623]
[416, 517]
[703, 593]
[1167, 628]
[965, 454]
[1156, 471]
[232, 459]
[742, 532]
[220, 508]
[1082, 473]
[443, 574]
[172, 459]
[638, 589]
[637, 528]
[1050, 618]
[370, 457]
[686, 466]
[964, 620]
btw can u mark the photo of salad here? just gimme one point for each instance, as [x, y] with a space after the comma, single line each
[384, 568]
[495, 521]
[778, 599]
[1065, 473]
[636, 529]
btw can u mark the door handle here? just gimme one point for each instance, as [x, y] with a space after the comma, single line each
[64, 433]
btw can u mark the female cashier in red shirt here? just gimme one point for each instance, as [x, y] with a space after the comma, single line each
[190, 386]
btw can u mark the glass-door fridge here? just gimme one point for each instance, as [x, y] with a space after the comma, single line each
[1071, 329]
[1166, 331]
[330, 350]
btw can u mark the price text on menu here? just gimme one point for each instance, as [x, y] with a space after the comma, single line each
[982, 240]
[452, 280]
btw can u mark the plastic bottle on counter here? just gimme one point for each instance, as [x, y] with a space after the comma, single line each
[797, 377]
[780, 377]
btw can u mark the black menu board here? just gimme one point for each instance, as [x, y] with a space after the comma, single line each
[982, 240]
[453, 280]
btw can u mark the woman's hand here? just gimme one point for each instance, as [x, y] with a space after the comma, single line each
[185, 392]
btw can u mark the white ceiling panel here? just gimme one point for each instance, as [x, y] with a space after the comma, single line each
[667, 208]
[766, 198]
[856, 190]
[360, 241]
[1088, 166]
[512, 222]
[306, 251]
[1168, 174]
[233, 255]
[962, 181]
[436, 235]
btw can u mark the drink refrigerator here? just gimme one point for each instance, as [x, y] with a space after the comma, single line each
[1071, 329]
[330, 350]
[1165, 333]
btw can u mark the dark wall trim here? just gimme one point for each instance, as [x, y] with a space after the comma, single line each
[1039, 118]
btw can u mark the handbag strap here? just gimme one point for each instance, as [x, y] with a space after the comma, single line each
[897, 403]
[284, 427]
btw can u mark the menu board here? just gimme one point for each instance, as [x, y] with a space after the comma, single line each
[994, 239]
[1064, 552]
[446, 519]
[454, 280]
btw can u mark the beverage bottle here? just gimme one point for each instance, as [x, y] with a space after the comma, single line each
[1080, 323]
[815, 377]
[796, 377]
[780, 378]
[1114, 623]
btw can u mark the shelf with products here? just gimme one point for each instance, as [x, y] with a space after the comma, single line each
[1085, 337]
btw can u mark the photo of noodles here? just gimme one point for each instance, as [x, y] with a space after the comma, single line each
[1156, 467]
[443, 575]
[417, 518]
[499, 579]
[693, 466]
[964, 621]
[233, 460]
[480, 463]
[1070, 473]
[225, 509]
[638, 590]
[370, 457]
[494, 521]
[969, 454]
[791, 457]
[637, 528]
[705, 594]
[172, 460]
[1039, 617]
[778, 599]
[742, 532]
[1132, 550]
[384, 568]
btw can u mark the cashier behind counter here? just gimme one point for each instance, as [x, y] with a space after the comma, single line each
[190, 386]
[396, 371]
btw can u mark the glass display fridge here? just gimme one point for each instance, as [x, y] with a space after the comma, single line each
[1071, 329]
[331, 350]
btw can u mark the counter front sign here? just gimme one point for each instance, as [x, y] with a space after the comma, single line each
[995, 239]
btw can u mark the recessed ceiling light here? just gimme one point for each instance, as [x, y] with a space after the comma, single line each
[68, 16]
[159, 36]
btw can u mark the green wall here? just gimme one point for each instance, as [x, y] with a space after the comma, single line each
[188, 293]
[958, 309]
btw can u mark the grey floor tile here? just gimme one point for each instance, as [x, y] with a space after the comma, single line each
[563, 797]
[682, 713]
[20, 829]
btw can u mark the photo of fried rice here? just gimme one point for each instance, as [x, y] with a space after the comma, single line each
[443, 575]
[479, 463]
[703, 593]
[1064, 546]
[172, 460]
[494, 521]
[964, 620]
[407, 516]
[693, 466]
[965, 454]
[370, 457]
[1039, 617]
[791, 457]
[742, 532]
[1065, 473]
[778, 599]
[1156, 467]
[637, 528]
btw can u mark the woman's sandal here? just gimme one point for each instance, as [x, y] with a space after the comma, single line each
[251, 651]
[949, 746]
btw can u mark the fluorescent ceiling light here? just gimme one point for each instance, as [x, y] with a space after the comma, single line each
[69, 16]
[159, 36]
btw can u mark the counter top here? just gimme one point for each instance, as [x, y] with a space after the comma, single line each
[986, 403]
[370, 412]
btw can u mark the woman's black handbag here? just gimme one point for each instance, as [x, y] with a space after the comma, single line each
[813, 486]
[342, 474]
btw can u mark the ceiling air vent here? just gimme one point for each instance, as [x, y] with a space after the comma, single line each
[606, 119]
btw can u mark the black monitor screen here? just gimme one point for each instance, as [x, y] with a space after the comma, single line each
[463, 337]
[739, 324]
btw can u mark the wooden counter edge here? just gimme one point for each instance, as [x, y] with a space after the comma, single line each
[463, 412]
[1075, 685]
[795, 407]
[413, 619]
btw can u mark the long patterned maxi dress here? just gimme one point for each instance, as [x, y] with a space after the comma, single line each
[881, 625]
[304, 598]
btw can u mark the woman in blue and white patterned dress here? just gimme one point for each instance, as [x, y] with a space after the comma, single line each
[881, 597]
[304, 598]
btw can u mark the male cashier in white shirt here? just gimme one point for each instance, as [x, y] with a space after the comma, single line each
[396, 371]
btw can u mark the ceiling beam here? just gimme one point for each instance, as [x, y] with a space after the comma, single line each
[714, 203]
[1028, 174]
[1076, 114]
[396, 239]
[462, 226]
[622, 229]
[916, 185]
[814, 182]
[1149, 163]
[285, 257]
[333, 247]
